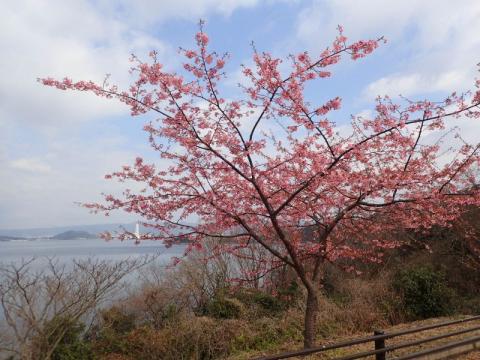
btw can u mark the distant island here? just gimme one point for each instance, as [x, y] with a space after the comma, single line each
[48, 232]
[77, 232]
[9, 238]
[66, 235]
[74, 235]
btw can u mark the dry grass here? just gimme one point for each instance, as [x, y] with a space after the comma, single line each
[406, 338]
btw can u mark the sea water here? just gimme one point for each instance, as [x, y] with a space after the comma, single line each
[66, 250]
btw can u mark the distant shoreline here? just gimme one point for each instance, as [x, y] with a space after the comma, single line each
[66, 235]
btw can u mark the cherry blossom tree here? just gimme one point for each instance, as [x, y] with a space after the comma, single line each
[265, 167]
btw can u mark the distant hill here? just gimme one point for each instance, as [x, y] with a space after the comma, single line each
[49, 232]
[74, 235]
[8, 238]
[52, 231]
[66, 235]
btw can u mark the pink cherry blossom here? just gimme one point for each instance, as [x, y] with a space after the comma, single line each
[305, 193]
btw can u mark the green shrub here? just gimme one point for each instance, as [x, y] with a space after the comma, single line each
[424, 292]
[222, 307]
[469, 305]
[119, 321]
[290, 294]
[65, 337]
[268, 302]
[264, 303]
[263, 334]
[110, 334]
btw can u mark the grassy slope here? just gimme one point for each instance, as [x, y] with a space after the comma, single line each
[405, 338]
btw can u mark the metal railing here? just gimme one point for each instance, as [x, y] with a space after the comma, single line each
[380, 351]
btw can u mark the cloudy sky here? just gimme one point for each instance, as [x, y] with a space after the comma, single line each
[55, 147]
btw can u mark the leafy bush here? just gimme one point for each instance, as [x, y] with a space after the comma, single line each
[290, 294]
[260, 303]
[468, 305]
[424, 292]
[221, 307]
[109, 335]
[119, 321]
[63, 339]
[268, 302]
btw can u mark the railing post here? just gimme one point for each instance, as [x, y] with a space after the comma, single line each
[380, 344]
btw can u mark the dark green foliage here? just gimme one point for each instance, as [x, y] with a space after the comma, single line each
[221, 307]
[264, 335]
[118, 321]
[109, 336]
[65, 337]
[469, 305]
[424, 292]
[290, 294]
[266, 304]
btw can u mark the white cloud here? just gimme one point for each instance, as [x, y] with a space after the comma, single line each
[42, 191]
[437, 38]
[147, 12]
[416, 83]
[47, 163]
[31, 165]
[434, 21]
[41, 179]
[57, 38]
[82, 40]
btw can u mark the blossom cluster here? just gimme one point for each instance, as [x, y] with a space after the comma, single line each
[306, 195]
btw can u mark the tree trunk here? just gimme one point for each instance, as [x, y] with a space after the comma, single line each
[311, 312]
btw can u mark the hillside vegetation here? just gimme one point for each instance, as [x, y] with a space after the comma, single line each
[195, 311]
